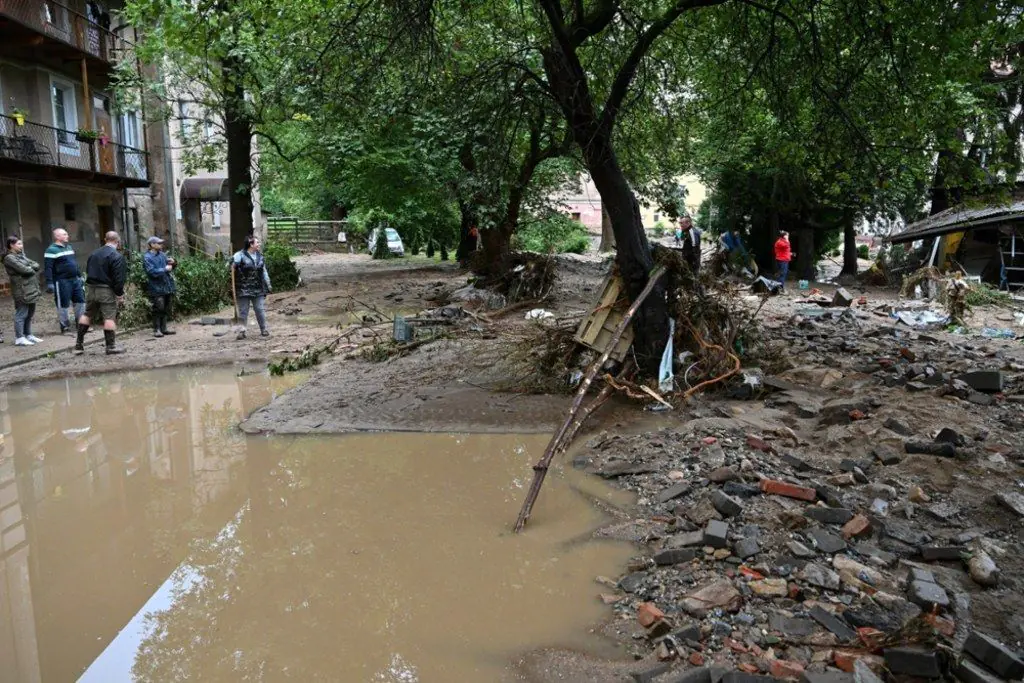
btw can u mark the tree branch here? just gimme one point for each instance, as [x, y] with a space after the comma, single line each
[627, 72]
[586, 26]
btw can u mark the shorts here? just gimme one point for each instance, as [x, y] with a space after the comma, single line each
[100, 303]
[68, 292]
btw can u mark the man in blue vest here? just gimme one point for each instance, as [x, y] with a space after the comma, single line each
[64, 278]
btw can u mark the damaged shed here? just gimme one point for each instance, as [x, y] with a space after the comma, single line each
[986, 240]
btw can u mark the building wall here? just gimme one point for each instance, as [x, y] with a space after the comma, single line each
[586, 205]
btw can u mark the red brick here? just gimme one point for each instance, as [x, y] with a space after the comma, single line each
[857, 415]
[856, 526]
[697, 659]
[871, 637]
[748, 668]
[781, 668]
[844, 660]
[648, 613]
[908, 354]
[781, 488]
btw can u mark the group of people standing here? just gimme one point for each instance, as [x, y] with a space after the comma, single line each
[688, 237]
[102, 293]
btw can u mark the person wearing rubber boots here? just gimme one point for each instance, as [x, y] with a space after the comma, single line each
[159, 284]
[105, 274]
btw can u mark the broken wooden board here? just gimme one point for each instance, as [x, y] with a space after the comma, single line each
[597, 327]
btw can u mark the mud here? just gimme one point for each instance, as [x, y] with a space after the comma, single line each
[146, 540]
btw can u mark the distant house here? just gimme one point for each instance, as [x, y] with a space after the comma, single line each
[585, 206]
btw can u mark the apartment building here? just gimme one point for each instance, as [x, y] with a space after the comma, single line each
[68, 158]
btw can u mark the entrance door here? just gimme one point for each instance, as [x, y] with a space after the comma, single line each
[106, 221]
[105, 126]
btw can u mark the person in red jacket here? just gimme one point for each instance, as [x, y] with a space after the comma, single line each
[783, 255]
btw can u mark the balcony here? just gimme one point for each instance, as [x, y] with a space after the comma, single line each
[52, 29]
[32, 151]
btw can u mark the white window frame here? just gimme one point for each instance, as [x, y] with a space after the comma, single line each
[70, 114]
[218, 212]
[131, 129]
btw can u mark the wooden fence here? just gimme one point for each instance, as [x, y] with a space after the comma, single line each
[305, 235]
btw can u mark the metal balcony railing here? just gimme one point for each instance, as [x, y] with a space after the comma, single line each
[58, 21]
[40, 145]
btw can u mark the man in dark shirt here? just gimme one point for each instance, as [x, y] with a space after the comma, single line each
[104, 278]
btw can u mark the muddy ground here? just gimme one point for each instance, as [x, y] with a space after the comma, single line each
[854, 384]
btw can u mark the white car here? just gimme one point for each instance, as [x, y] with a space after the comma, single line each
[394, 241]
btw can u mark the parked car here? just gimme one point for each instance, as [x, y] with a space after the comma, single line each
[394, 241]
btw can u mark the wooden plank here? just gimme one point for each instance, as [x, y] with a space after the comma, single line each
[596, 329]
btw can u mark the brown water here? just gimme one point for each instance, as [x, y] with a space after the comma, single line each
[144, 539]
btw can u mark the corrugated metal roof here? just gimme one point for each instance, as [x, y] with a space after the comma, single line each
[960, 218]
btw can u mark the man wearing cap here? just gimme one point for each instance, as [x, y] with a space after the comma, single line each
[160, 284]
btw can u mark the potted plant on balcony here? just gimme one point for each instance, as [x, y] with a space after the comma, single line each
[19, 115]
[87, 135]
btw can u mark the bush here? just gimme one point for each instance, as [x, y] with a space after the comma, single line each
[381, 249]
[863, 252]
[659, 229]
[284, 274]
[555, 233]
[204, 286]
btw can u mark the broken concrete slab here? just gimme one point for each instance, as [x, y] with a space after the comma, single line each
[746, 548]
[826, 542]
[828, 515]
[677, 556]
[794, 627]
[672, 492]
[915, 661]
[927, 595]
[726, 504]
[995, 655]
[887, 455]
[969, 671]
[989, 381]
[833, 623]
[721, 594]
[1012, 501]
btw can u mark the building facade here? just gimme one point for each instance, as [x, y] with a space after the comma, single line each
[67, 157]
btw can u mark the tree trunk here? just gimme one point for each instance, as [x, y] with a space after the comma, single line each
[607, 236]
[849, 247]
[497, 250]
[467, 244]
[238, 131]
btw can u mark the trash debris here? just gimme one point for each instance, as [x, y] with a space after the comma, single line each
[921, 319]
[539, 314]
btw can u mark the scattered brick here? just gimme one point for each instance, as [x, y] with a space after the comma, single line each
[856, 527]
[648, 613]
[781, 668]
[781, 488]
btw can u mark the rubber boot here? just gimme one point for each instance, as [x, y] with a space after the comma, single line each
[112, 348]
[157, 324]
[163, 326]
[80, 341]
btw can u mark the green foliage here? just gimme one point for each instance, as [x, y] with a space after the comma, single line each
[309, 357]
[380, 248]
[284, 274]
[659, 229]
[863, 252]
[204, 286]
[554, 233]
[986, 295]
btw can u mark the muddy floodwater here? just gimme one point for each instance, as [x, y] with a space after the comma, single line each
[144, 538]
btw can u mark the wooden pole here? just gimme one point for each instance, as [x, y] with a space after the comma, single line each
[571, 425]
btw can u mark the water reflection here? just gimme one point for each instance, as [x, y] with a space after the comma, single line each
[101, 482]
[146, 539]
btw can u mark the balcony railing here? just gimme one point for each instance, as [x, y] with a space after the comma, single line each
[40, 145]
[60, 22]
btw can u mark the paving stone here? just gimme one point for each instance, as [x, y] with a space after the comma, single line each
[941, 450]
[735, 488]
[833, 623]
[886, 455]
[933, 553]
[795, 627]
[826, 541]
[631, 582]
[716, 534]
[927, 595]
[685, 539]
[1013, 501]
[726, 504]
[828, 515]
[994, 655]
[969, 671]
[800, 550]
[672, 492]
[913, 661]
[917, 574]
[677, 556]
[747, 547]
[991, 381]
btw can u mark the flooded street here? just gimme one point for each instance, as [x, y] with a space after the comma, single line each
[144, 538]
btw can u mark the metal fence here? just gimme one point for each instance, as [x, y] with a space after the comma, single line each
[42, 145]
[61, 22]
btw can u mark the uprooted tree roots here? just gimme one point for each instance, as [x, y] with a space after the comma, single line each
[523, 276]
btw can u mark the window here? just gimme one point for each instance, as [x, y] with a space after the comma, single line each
[65, 115]
[69, 212]
[207, 129]
[218, 211]
[657, 217]
[130, 134]
[575, 215]
[183, 118]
